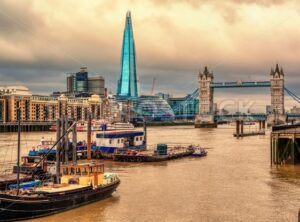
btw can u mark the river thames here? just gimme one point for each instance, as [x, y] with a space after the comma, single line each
[233, 183]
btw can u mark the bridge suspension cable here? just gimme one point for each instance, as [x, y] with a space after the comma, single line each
[190, 98]
[293, 95]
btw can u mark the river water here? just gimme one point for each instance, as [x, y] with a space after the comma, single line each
[233, 183]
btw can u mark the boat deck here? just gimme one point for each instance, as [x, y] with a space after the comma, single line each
[150, 157]
[61, 188]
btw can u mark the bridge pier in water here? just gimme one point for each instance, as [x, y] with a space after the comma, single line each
[239, 129]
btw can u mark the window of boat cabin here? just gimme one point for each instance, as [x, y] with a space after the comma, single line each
[65, 170]
[110, 141]
[84, 171]
[118, 140]
[72, 171]
[78, 171]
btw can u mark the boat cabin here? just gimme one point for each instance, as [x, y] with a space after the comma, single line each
[83, 174]
[45, 143]
[120, 139]
[29, 164]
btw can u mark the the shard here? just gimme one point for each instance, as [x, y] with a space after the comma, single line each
[128, 85]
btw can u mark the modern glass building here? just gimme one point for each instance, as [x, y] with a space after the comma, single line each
[128, 85]
[136, 107]
[153, 108]
[81, 80]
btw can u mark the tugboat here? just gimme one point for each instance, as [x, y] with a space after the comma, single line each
[80, 185]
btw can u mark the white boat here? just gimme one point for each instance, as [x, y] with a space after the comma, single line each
[109, 142]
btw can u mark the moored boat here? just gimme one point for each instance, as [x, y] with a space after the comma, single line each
[30, 167]
[110, 142]
[163, 152]
[76, 184]
[199, 152]
[45, 147]
[80, 185]
[100, 125]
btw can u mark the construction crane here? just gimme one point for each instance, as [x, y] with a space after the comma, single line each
[153, 84]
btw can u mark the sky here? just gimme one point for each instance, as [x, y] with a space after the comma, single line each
[41, 41]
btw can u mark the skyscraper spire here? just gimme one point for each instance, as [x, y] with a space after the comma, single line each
[128, 85]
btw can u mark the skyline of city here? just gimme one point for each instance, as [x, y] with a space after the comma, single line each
[101, 52]
[153, 110]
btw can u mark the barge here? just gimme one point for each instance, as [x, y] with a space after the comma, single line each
[162, 153]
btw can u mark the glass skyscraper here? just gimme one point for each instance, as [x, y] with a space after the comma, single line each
[128, 85]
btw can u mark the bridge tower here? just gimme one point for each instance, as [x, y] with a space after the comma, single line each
[205, 119]
[277, 96]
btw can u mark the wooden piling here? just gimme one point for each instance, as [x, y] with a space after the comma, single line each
[259, 123]
[293, 149]
[237, 128]
[62, 141]
[271, 150]
[66, 140]
[242, 127]
[58, 148]
[74, 144]
[89, 132]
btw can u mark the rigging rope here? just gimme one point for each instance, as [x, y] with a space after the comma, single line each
[48, 152]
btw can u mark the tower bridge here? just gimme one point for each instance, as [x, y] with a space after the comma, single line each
[207, 117]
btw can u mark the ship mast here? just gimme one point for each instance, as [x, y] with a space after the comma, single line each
[58, 149]
[89, 132]
[19, 149]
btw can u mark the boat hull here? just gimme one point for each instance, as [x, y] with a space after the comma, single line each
[150, 158]
[20, 208]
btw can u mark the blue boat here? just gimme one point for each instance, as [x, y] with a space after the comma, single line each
[45, 148]
[110, 142]
[27, 185]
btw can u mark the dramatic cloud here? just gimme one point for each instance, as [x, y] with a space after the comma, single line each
[41, 41]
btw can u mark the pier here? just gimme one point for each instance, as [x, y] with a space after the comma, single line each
[284, 144]
[26, 126]
[239, 132]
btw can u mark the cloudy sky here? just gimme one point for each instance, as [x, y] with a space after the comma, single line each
[41, 41]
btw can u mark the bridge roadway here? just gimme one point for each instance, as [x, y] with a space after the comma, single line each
[240, 84]
[246, 117]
